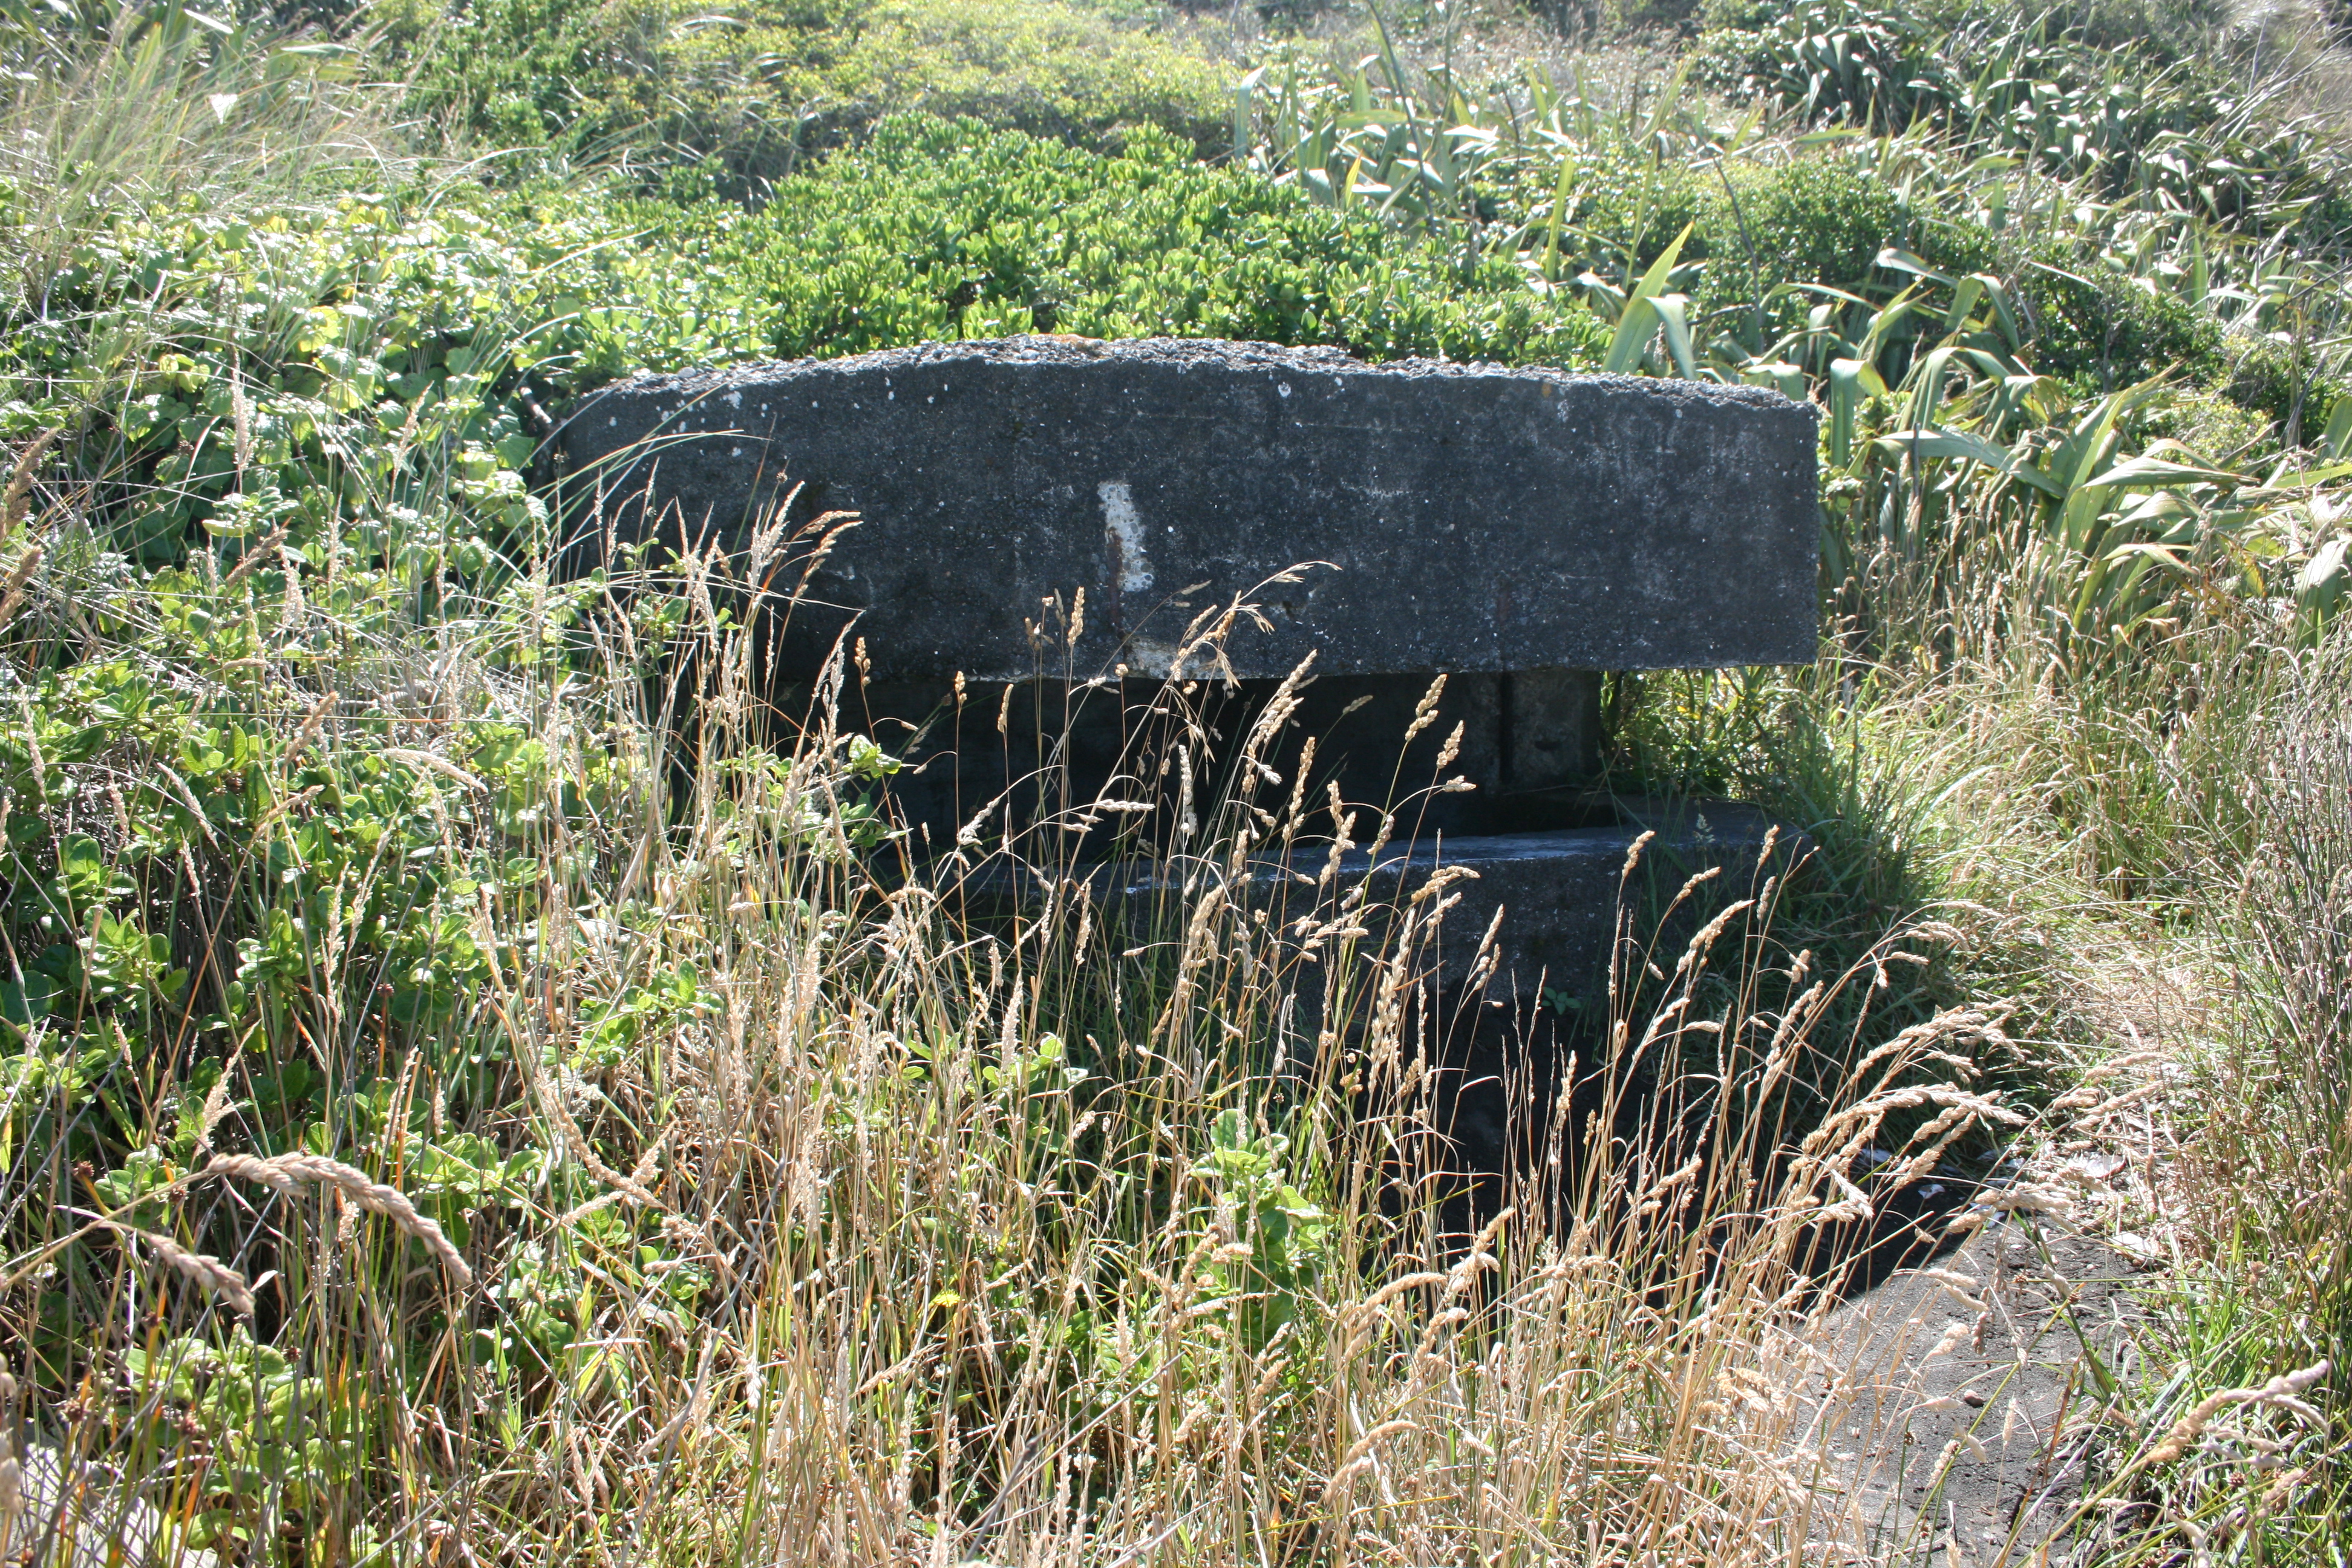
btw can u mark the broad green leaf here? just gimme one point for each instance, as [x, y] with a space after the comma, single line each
[2150, 471]
[2325, 568]
[2339, 428]
[1851, 380]
[1895, 260]
[1641, 318]
[1674, 320]
[1972, 447]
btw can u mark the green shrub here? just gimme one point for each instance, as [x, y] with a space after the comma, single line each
[1682, 17]
[2097, 327]
[1757, 228]
[350, 325]
[1624, 211]
[1047, 68]
[2135, 112]
[2208, 421]
[1816, 219]
[941, 229]
[1820, 220]
[362, 321]
[2269, 378]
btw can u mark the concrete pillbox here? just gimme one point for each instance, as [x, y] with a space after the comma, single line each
[1515, 530]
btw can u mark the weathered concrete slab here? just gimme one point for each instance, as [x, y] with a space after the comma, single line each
[1517, 740]
[1471, 518]
[1955, 1410]
[1566, 891]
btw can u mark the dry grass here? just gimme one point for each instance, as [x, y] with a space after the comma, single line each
[1173, 1312]
[2293, 43]
[1059, 1237]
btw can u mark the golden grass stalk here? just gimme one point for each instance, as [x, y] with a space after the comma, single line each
[2284, 1391]
[11, 592]
[264, 551]
[286, 1172]
[202, 1269]
[18, 496]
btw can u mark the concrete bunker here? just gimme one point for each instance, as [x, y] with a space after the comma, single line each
[1515, 530]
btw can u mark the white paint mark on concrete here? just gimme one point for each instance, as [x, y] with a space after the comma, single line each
[1125, 527]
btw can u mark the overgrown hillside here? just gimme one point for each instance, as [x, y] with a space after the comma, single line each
[452, 1108]
[739, 100]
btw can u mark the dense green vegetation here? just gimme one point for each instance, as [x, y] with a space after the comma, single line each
[329, 328]
[939, 229]
[736, 100]
[742, 1206]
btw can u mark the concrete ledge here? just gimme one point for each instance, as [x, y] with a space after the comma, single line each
[1561, 893]
[1469, 517]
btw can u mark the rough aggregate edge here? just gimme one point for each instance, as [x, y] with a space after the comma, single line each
[1184, 354]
